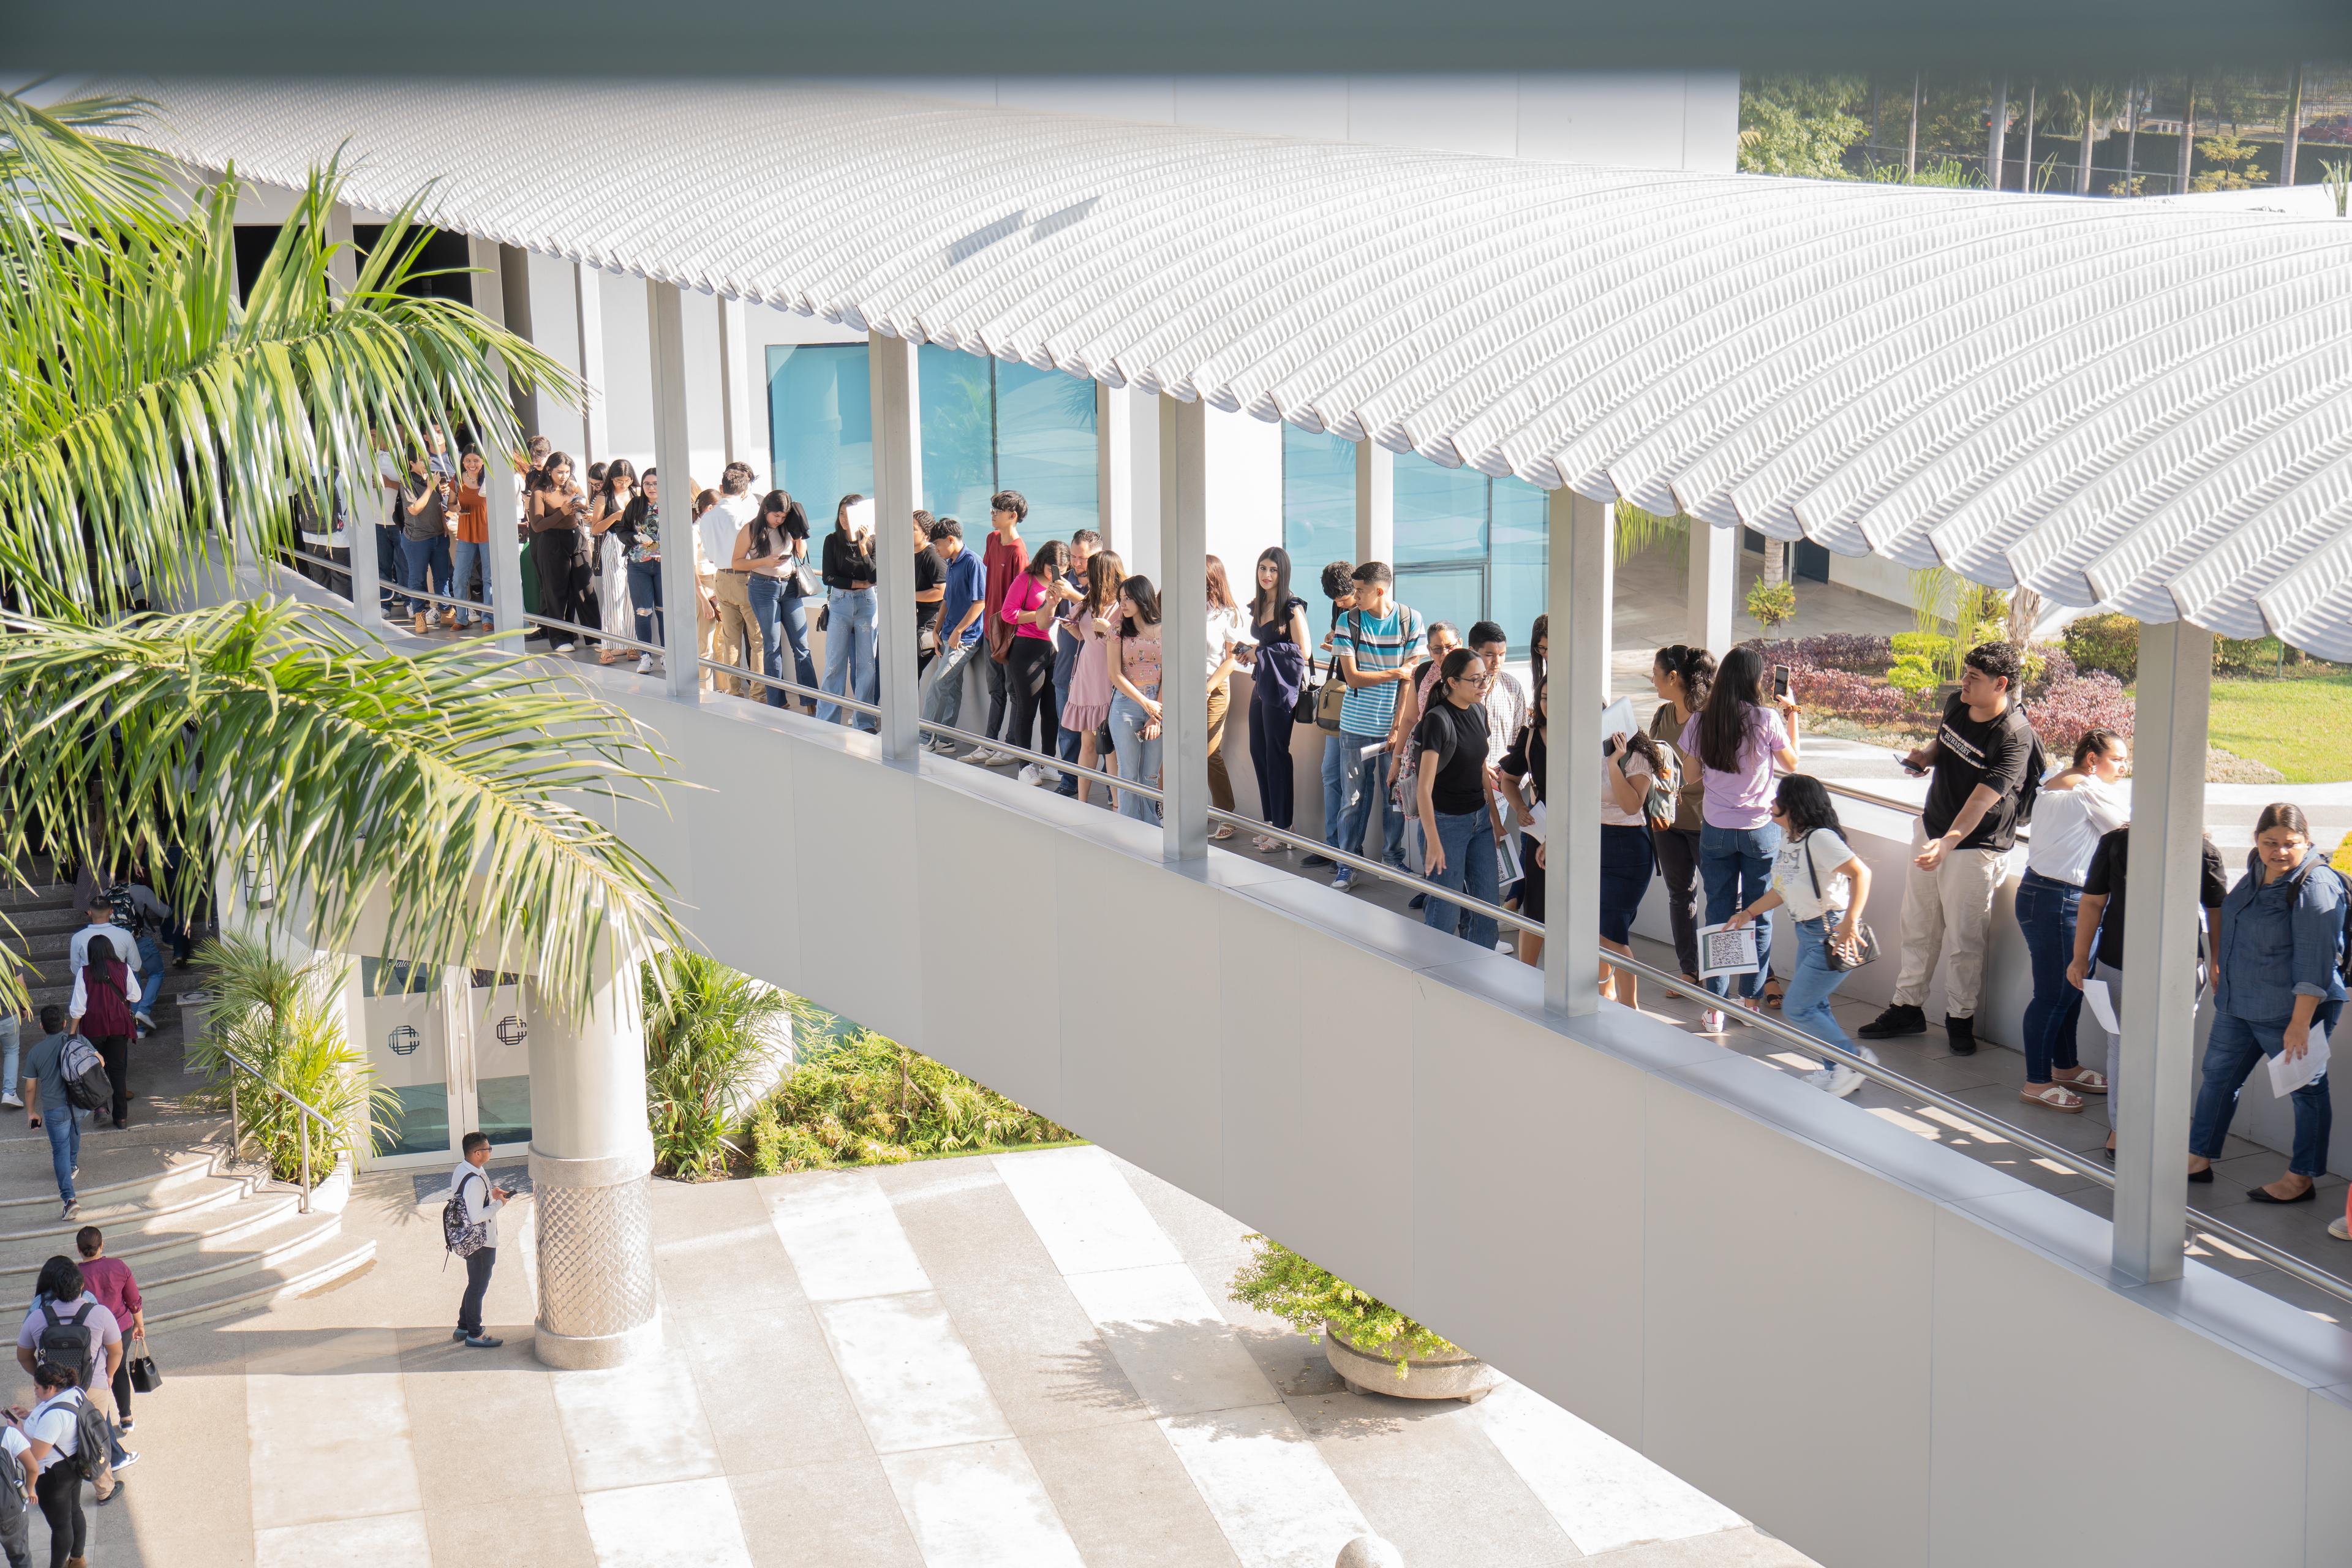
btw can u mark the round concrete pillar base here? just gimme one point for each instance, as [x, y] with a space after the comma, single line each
[594, 1233]
[581, 1352]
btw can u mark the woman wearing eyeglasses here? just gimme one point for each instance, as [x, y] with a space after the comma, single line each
[1458, 825]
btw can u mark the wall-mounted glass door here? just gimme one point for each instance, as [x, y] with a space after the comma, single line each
[497, 1025]
[404, 1012]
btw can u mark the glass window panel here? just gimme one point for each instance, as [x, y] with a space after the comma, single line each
[820, 424]
[1046, 446]
[498, 1014]
[1318, 504]
[406, 1045]
[1441, 514]
[959, 413]
[1444, 594]
[1521, 534]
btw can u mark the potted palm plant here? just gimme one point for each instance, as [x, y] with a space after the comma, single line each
[1374, 1348]
[274, 1025]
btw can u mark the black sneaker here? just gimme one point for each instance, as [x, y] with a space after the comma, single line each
[1960, 1035]
[1316, 860]
[1897, 1020]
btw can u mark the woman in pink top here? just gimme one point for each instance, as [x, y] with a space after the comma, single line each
[1093, 620]
[1029, 658]
[1736, 739]
[1135, 702]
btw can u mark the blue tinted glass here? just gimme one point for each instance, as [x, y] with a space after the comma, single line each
[959, 413]
[1516, 596]
[1441, 514]
[1046, 446]
[1318, 504]
[421, 1124]
[1454, 594]
[820, 422]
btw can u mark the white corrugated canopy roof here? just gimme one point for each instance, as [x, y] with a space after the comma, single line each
[2110, 402]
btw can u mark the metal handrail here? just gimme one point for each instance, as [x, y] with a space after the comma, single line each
[838, 699]
[1044, 760]
[236, 1131]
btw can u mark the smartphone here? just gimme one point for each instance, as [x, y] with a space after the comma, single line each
[1779, 681]
[1914, 769]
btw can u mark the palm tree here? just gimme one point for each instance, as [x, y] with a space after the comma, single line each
[714, 1040]
[153, 426]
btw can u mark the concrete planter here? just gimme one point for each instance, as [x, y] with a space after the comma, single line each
[1463, 1377]
[333, 1194]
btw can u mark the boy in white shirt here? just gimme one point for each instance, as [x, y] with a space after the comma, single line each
[482, 1202]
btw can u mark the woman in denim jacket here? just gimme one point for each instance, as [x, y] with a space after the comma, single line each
[2275, 976]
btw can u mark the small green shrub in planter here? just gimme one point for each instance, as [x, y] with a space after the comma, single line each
[1770, 604]
[286, 1022]
[1925, 646]
[1311, 1298]
[1913, 674]
[870, 1100]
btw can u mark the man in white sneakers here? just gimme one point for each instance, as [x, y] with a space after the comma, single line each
[482, 1203]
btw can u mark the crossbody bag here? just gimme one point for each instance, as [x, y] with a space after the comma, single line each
[1865, 941]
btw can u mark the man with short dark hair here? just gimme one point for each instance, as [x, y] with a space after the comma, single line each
[99, 911]
[1005, 557]
[930, 592]
[1084, 544]
[45, 1091]
[963, 601]
[482, 1202]
[1339, 586]
[1985, 765]
[1377, 647]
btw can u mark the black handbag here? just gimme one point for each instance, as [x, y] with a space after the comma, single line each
[146, 1377]
[1865, 941]
[1303, 710]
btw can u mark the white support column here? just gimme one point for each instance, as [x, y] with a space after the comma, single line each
[1583, 574]
[1375, 502]
[666, 313]
[1115, 471]
[1713, 586]
[742, 389]
[893, 372]
[590, 1155]
[588, 299]
[2151, 1098]
[369, 508]
[1184, 627]
[498, 478]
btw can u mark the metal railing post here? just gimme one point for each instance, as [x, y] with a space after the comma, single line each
[302, 1130]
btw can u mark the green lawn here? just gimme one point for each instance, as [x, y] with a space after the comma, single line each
[2301, 725]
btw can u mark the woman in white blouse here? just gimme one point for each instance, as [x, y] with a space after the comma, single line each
[2078, 805]
[1228, 630]
[1823, 884]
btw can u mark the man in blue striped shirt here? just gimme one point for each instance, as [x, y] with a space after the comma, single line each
[1377, 648]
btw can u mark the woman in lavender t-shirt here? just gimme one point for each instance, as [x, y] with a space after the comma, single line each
[1736, 739]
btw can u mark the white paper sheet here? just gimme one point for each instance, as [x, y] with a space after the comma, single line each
[2287, 1076]
[2102, 1005]
[1722, 951]
[1617, 719]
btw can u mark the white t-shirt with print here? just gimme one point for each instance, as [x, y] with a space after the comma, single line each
[1794, 881]
[57, 1423]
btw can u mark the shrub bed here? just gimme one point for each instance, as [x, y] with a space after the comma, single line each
[870, 1100]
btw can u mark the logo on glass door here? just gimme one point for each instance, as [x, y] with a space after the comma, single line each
[513, 1031]
[404, 1041]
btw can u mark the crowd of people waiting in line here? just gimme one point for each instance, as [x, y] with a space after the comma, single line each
[83, 1344]
[1426, 732]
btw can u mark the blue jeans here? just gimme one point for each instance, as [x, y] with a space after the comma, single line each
[9, 1026]
[1807, 1003]
[645, 599]
[791, 615]
[64, 1128]
[1736, 865]
[2236, 1048]
[150, 970]
[943, 683]
[419, 560]
[2045, 913]
[1468, 841]
[1332, 799]
[1138, 758]
[470, 554]
[388, 567]
[1068, 739]
[1367, 780]
[849, 652]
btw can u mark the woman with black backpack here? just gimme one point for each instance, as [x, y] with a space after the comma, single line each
[101, 1011]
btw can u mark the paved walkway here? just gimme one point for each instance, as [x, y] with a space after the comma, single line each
[1023, 1361]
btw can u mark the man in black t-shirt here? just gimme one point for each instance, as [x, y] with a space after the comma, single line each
[1985, 766]
[2101, 915]
[930, 591]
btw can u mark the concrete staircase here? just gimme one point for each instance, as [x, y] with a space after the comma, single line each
[205, 1235]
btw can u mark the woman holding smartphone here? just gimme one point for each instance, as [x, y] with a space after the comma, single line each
[1135, 671]
[1738, 740]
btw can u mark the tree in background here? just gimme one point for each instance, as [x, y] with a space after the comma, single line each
[1801, 125]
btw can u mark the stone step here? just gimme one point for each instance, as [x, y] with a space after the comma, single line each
[110, 1176]
[155, 1212]
[40, 896]
[228, 1295]
[150, 1246]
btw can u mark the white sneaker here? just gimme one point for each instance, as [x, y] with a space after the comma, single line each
[1840, 1080]
[1028, 775]
[645, 664]
[12, 1102]
[2338, 1230]
[1711, 1021]
[565, 646]
[942, 745]
[144, 1019]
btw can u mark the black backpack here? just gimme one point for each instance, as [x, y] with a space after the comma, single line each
[458, 1235]
[66, 1341]
[93, 1436]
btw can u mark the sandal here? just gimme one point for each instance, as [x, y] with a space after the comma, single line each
[1224, 831]
[2085, 1080]
[2056, 1097]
